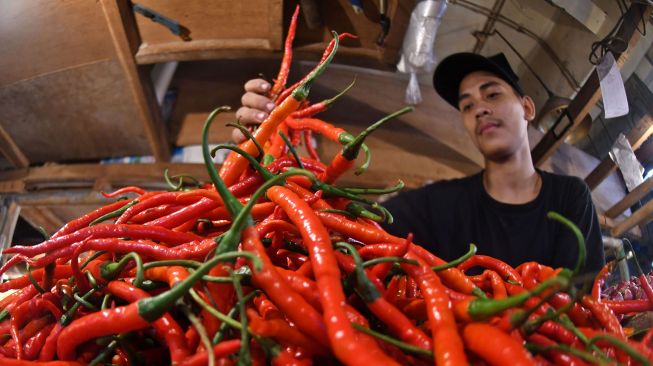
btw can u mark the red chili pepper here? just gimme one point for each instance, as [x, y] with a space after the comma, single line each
[191, 250]
[604, 315]
[105, 322]
[494, 346]
[315, 108]
[325, 129]
[220, 350]
[284, 333]
[303, 286]
[498, 287]
[278, 146]
[600, 279]
[453, 277]
[148, 202]
[628, 306]
[289, 302]
[12, 362]
[266, 308]
[83, 221]
[187, 213]
[310, 148]
[348, 346]
[104, 231]
[166, 327]
[235, 164]
[556, 331]
[280, 81]
[558, 357]
[487, 262]
[34, 344]
[643, 280]
[259, 211]
[345, 159]
[62, 271]
[330, 49]
[448, 346]
[50, 347]
[154, 213]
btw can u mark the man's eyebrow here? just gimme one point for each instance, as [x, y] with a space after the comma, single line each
[483, 86]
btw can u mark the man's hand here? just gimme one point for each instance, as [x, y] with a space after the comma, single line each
[255, 106]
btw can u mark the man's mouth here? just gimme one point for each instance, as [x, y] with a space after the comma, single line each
[486, 127]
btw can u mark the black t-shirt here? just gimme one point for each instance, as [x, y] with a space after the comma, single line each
[446, 216]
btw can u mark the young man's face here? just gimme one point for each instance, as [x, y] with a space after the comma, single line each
[495, 117]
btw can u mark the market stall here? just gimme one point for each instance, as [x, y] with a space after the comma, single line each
[135, 231]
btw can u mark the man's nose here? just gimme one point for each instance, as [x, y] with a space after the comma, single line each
[481, 109]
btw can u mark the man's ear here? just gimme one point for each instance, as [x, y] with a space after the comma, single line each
[529, 108]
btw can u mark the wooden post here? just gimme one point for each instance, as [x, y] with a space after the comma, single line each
[124, 34]
[9, 212]
[11, 151]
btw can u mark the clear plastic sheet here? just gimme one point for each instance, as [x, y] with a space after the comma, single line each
[417, 55]
[631, 170]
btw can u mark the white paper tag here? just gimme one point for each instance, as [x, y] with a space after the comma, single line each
[615, 102]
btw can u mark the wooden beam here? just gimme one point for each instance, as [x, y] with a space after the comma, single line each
[631, 198]
[123, 30]
[85, 175]
[204, 50]
[590, 92]
[640, 217]
[11, 151]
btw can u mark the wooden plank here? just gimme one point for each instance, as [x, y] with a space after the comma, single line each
[631, 198]
[590, 92]
[201, 50]
[214, 26]
[73, 114]
[640, 217]
[11, 151]
[120, 21]
[43, 36]
[56, 176]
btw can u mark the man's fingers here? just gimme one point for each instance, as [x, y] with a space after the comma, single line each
[250, 116]
[237, 136]
[257, 101]
[259, 86]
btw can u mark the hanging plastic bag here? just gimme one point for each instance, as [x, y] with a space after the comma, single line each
[417, 55]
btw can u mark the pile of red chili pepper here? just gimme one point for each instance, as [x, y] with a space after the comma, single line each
[274, 264]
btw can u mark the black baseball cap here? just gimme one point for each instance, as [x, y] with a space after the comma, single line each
[453, 69]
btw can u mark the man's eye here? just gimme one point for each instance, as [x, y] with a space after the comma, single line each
[466, 107]
[493, 95]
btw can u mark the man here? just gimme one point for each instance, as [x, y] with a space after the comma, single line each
[502, 209]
